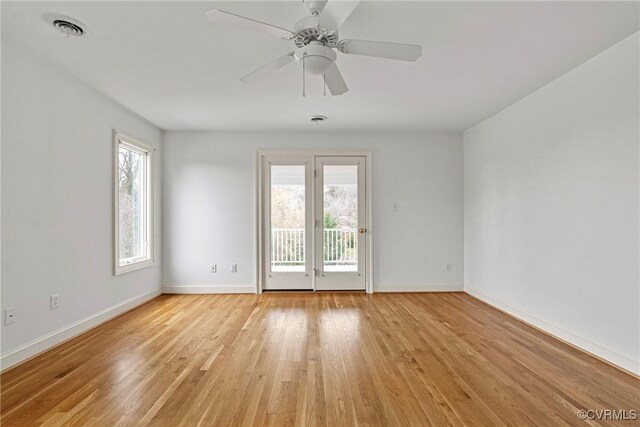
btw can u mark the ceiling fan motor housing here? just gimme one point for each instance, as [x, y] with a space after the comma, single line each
[316, 57]
[308, 30]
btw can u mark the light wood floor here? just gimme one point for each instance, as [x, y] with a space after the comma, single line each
[313, 359]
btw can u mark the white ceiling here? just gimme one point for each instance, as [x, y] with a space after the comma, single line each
[166, 62]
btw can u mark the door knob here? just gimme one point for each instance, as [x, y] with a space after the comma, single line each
[363, 230]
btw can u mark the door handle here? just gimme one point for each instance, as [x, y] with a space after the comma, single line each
[363, 230]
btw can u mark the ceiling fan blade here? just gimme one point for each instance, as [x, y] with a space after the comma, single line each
[335, 13]
[268, 68]
[400, 51]
[221, 16]
[334, 80]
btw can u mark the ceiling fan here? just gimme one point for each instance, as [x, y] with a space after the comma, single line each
[316, 37]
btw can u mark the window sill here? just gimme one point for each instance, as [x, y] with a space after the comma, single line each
[121, 269]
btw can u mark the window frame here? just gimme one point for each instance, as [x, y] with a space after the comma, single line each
[138, 146]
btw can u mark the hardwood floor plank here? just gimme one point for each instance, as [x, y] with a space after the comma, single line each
[303, 359]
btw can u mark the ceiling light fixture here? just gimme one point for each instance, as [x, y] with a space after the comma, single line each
[66, 24]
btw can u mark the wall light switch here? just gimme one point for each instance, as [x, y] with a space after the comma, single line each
[53, 302]
[214, 268]
[9, 315]
[234, 268]
[396, 206]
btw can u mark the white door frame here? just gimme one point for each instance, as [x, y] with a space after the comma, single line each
[261, 154]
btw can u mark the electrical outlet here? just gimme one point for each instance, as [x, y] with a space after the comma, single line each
[234, 268]
[396, 206]
[53, 302]
[9, 315]
[449, 266]
[214, 268]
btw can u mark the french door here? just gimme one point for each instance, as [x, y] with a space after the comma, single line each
[340, 223]
[314, 222]
[288, 223]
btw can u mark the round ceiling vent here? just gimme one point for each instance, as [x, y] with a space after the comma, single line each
[318, 119]
[66, 24]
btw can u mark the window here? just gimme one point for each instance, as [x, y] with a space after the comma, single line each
[133, 204]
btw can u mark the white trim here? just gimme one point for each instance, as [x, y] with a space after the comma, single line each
[46, 342]
[625, 361]
[426, 287]
[259, 226]
[261, 153]
[312, 152]
[209, 289]
[369, 242]
[142, 148]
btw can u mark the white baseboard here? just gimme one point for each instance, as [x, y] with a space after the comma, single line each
[624, 361]
[209, 289]
[45, 342]
[427, 287]
[251, 288]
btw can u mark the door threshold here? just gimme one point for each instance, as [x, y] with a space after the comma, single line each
[311, 291]
[342, 291]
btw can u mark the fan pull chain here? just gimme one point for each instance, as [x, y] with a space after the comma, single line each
[304, 69]
[324, 85]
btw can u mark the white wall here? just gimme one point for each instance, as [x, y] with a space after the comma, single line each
[210, 210]
[57, 205]
[552, 207]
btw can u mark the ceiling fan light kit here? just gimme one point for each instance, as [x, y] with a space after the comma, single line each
[316, 37]
[316, 56]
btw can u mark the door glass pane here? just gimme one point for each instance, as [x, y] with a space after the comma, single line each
[340, 233]
[132, 204]
[287, 218]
